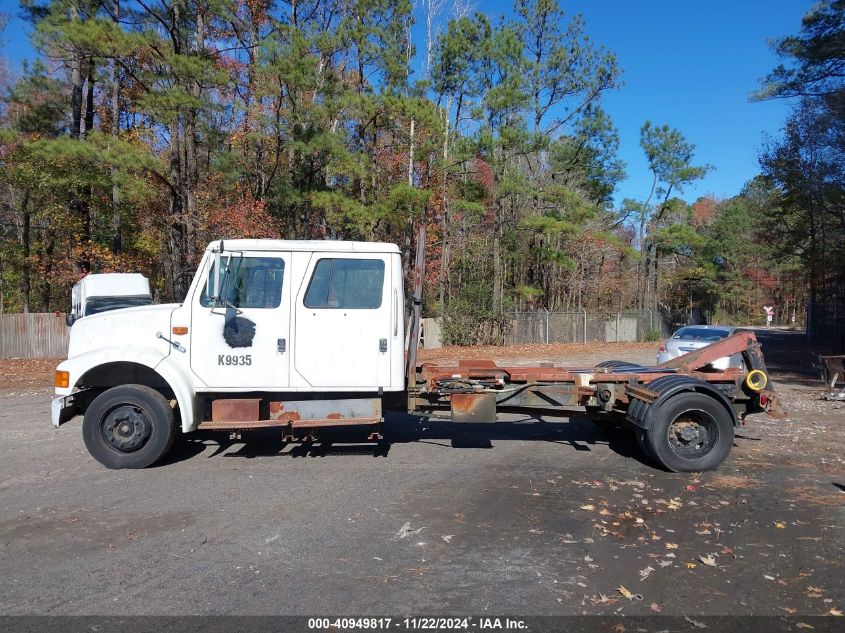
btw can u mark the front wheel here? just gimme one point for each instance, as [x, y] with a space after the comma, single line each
[691, 432]
[130, 426]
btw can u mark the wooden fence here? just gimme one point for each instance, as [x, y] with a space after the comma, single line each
[33, 336]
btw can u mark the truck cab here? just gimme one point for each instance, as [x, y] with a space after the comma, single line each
[97, 293]
[294, 334]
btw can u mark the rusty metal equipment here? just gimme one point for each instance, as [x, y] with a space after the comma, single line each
[235, 414]
[604, 389]
[639, 397]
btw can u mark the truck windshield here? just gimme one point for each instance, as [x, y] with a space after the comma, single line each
[250, 282]
[96, 305]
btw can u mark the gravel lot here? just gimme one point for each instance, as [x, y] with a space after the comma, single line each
[527, 516]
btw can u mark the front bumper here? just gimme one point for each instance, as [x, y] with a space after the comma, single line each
[65, 408]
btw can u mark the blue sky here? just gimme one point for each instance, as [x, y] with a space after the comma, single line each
[690, 65]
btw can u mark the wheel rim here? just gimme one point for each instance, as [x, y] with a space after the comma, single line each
[126, 428]
[693, 434]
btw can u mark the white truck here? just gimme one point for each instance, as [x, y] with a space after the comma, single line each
[102, 292]
[302, 335]
[271, 332]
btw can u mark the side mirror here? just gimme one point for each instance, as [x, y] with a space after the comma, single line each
[70, 319]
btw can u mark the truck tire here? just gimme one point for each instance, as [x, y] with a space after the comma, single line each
[690, 432]
[130, 426]
[642, 442]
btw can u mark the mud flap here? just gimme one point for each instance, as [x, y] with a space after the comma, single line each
[473, 407]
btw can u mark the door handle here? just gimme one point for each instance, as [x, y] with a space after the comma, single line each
[281, 345]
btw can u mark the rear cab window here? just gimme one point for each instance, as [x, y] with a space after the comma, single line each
[346, 284]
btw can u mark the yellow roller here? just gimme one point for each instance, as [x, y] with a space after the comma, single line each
[756, 380]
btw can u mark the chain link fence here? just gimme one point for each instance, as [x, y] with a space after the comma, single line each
[581, 326]
[572, 326]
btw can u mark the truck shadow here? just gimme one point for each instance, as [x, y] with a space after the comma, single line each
[578, 434]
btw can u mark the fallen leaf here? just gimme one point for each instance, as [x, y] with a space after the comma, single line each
[603, 599]
[656, 607]
[835, 612]
[645, 573]
[671, 546]
[589, 506]
[621, 589]
[405, 531]
[789, 610]
[804, 625]
[691, 565]
[448, 537]
[619, 628]
[780, 525]
[767, 577]
[709, 559]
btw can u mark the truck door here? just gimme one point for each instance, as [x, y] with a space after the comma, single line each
[343, 321]
[243, 343]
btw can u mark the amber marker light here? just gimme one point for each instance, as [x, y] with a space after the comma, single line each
[62, 379]
[179, 329]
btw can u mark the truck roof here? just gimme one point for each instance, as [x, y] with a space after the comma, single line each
[115, 284]
[305, 245]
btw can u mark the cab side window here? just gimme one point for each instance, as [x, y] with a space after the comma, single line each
[251, 282]
[346, 284]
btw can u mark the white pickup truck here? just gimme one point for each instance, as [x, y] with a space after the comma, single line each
[102, 292]
[272, 333]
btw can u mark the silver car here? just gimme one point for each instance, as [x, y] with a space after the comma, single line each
[693, 337]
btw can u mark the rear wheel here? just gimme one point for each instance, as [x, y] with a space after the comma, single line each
[130, 426]
[642, 441]
[690, 432]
